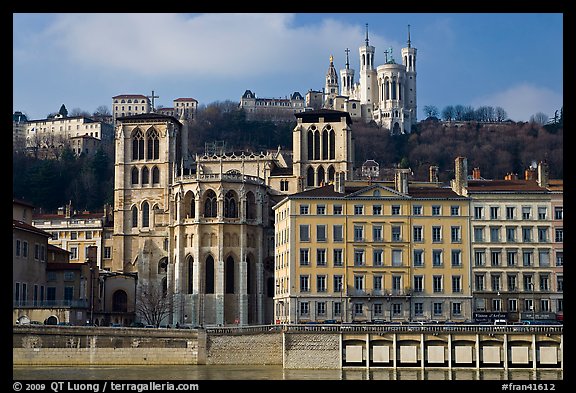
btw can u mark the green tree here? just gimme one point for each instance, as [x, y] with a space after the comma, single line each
[63, 111]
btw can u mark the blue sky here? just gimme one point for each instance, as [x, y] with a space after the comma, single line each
[511, 60]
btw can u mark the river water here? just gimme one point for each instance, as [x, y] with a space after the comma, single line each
[225, 372]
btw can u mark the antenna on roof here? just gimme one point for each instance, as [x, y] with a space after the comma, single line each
[366, 34]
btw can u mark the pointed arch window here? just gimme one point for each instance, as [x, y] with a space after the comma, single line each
[230, 205]
[190, 275]
[134, 216]
[163, 266]
[210, 204]
[155, 175]
[317, 145]
[251, 206]
[310, 176]
[310, 140]
[331, 173]
[145, 175]
[229, 275]
[119, 301]
[153, 147]
[209, 275]
[145, 215]
[321, 180]
[332, 143]
[324, 145]
[137, 145]
[393, 89]
[134, 175]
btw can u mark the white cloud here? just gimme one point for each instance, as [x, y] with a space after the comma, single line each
[522, 101]
[229, 45]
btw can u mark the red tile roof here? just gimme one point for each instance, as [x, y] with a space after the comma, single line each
[504, 186]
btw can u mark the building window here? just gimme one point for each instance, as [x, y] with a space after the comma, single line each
[304, 233]
[496, 305]
[478, 212]
[337, 309]
[495, 282]
[378, 259]
[527, 258]
[511, 257]
[479, 282]
[358, 257]
[511, 278]
[544, 282]
[543, 235]
[436, 258]
[437, 284]
[321, 209]
[337, 210]
[454, 210]
[495, 257]
[527, 235]
[359, 283]
[456, 258]
[395, 210]
[417, 234]
[544, 258]
[304, 257]
[526, 213]
[304, 209]
[396, 309]
[321, 308]
[396, 257]
[455, 235]
[358, 308]
[560, 283]
[338, 233]
[559, 258]
[338, 260]
[511, 234]
[419, 309]
[321, 257]
[436, 211]
[418, 258]
[494, 234]
[73, 235]
[358, 210]
[437, 308]
[436, 234]
[377, 210]
[378, 309]
[456, 308]
[304, 284]
[417, 210]
[73, 252]
[478, 234]
[321, 283]
[418, 283]
[377, 233]
[377, 283]
[321, 233]
[542, 212]
[510, 213]
[512, 305]
[479, 258]
[559, 235]
[338, 283]
[396, 235]
[304, 308]
[494, 212]
[558, 213]
[358, 233]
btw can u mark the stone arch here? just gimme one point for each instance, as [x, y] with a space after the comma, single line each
[250, 206]
[189, 274]
[153, 144]
[210, 204]
[331, 173]
[145, 214]
[134, 176]
[137, 138]
[189, 205]
[155, 175]
[320, 176]
[229, 275]
[310, 176]
[145, 175]
[231, 204]
[134, 216]
[209, 275]
[163, 265]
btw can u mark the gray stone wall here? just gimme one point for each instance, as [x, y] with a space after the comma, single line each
[264, 348]
[312, 351]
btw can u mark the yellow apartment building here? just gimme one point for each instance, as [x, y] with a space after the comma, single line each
[362, 252]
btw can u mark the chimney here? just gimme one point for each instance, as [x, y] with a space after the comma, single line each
[68, 209]
[543, 174]
[401, 180]
[530, 174]
[511, 176]
[433, 173]
[476, 173]
[339, 182]
[61, 211]
[460, 182]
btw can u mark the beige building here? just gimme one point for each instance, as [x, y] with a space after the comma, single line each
[47, 136]
[272, 108]
[129, 104]
[515, 271]
[77, 231]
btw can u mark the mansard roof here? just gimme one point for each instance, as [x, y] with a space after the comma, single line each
[483, 186]
[148, 116]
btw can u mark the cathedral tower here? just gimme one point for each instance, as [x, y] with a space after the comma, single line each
[368, 79]
[347, 78]
[331, 87]
[323, 147]
[409, 61]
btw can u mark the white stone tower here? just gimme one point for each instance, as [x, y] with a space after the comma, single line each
[368, 81]
[409, 61]
[347, 78]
